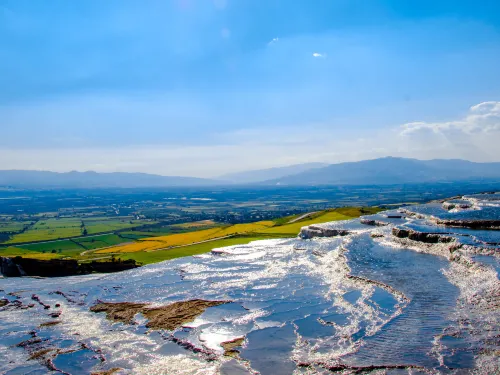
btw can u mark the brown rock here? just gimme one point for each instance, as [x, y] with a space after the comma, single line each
[107, 372]
[120, 312]
[178, 313]
[229, 347]
[167, 317]
[41, 353]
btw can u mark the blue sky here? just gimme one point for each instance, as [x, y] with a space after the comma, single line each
[204, 87]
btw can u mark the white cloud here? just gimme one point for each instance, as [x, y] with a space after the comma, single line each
[316, 54]
[273, 41]
[482, 118]
[475, 136]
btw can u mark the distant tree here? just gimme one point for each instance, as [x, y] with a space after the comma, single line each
[53, 251]
[85, 232]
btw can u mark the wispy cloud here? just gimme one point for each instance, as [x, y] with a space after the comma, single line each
[273, 41]
[474, 136]
[481, 118]
[317, 54]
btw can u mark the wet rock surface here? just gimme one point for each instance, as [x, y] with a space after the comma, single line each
[392, 293]
[230, 347]
[167, 317]
[316, 231]
[421, 236]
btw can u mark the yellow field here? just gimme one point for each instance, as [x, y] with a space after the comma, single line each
[181, 239]
[294, 228]
[194, 224]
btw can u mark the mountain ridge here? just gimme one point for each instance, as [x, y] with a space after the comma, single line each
[393, 170]
[381, 171]
[91, 179]
[259, 175]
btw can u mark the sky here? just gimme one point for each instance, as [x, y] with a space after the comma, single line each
[207, 87]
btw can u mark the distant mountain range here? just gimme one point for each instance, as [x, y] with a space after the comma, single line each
[43, 179]
[387, 170]
[249, 177]
[392, 170]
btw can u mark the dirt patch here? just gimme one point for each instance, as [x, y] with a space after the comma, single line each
[229, 347]
[3, 302]
[120, 311]
[107, 372]
[167, 317]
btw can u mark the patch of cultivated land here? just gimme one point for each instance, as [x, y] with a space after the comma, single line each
[195, 224]
[182, 239]
[49, 229]
[98, 242]
[132, 245]
[253, 232]
[63, 248]
[12, 251]
[101, 225]
[57, 246]
[12, 226]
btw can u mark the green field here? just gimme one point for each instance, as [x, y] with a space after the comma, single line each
[58, 246]
[12, 226]
[65, 248]
[102, 225]
[60, 228]
[241, 234]
[280, 230]
[135, 235]
[17, 251]
[49, 229]
[97, 242]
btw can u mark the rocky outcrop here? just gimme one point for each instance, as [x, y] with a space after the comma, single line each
[312, 231]
[167, 317]
[8, 268]
[230, 347]
[19, 266]
[471, 224]
[421, 236]
[452, 205]
[374, 223]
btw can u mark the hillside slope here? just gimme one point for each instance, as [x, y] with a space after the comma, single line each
[392, 170]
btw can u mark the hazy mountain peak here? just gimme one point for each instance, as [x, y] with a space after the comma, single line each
[259, 175]
[393, 170]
